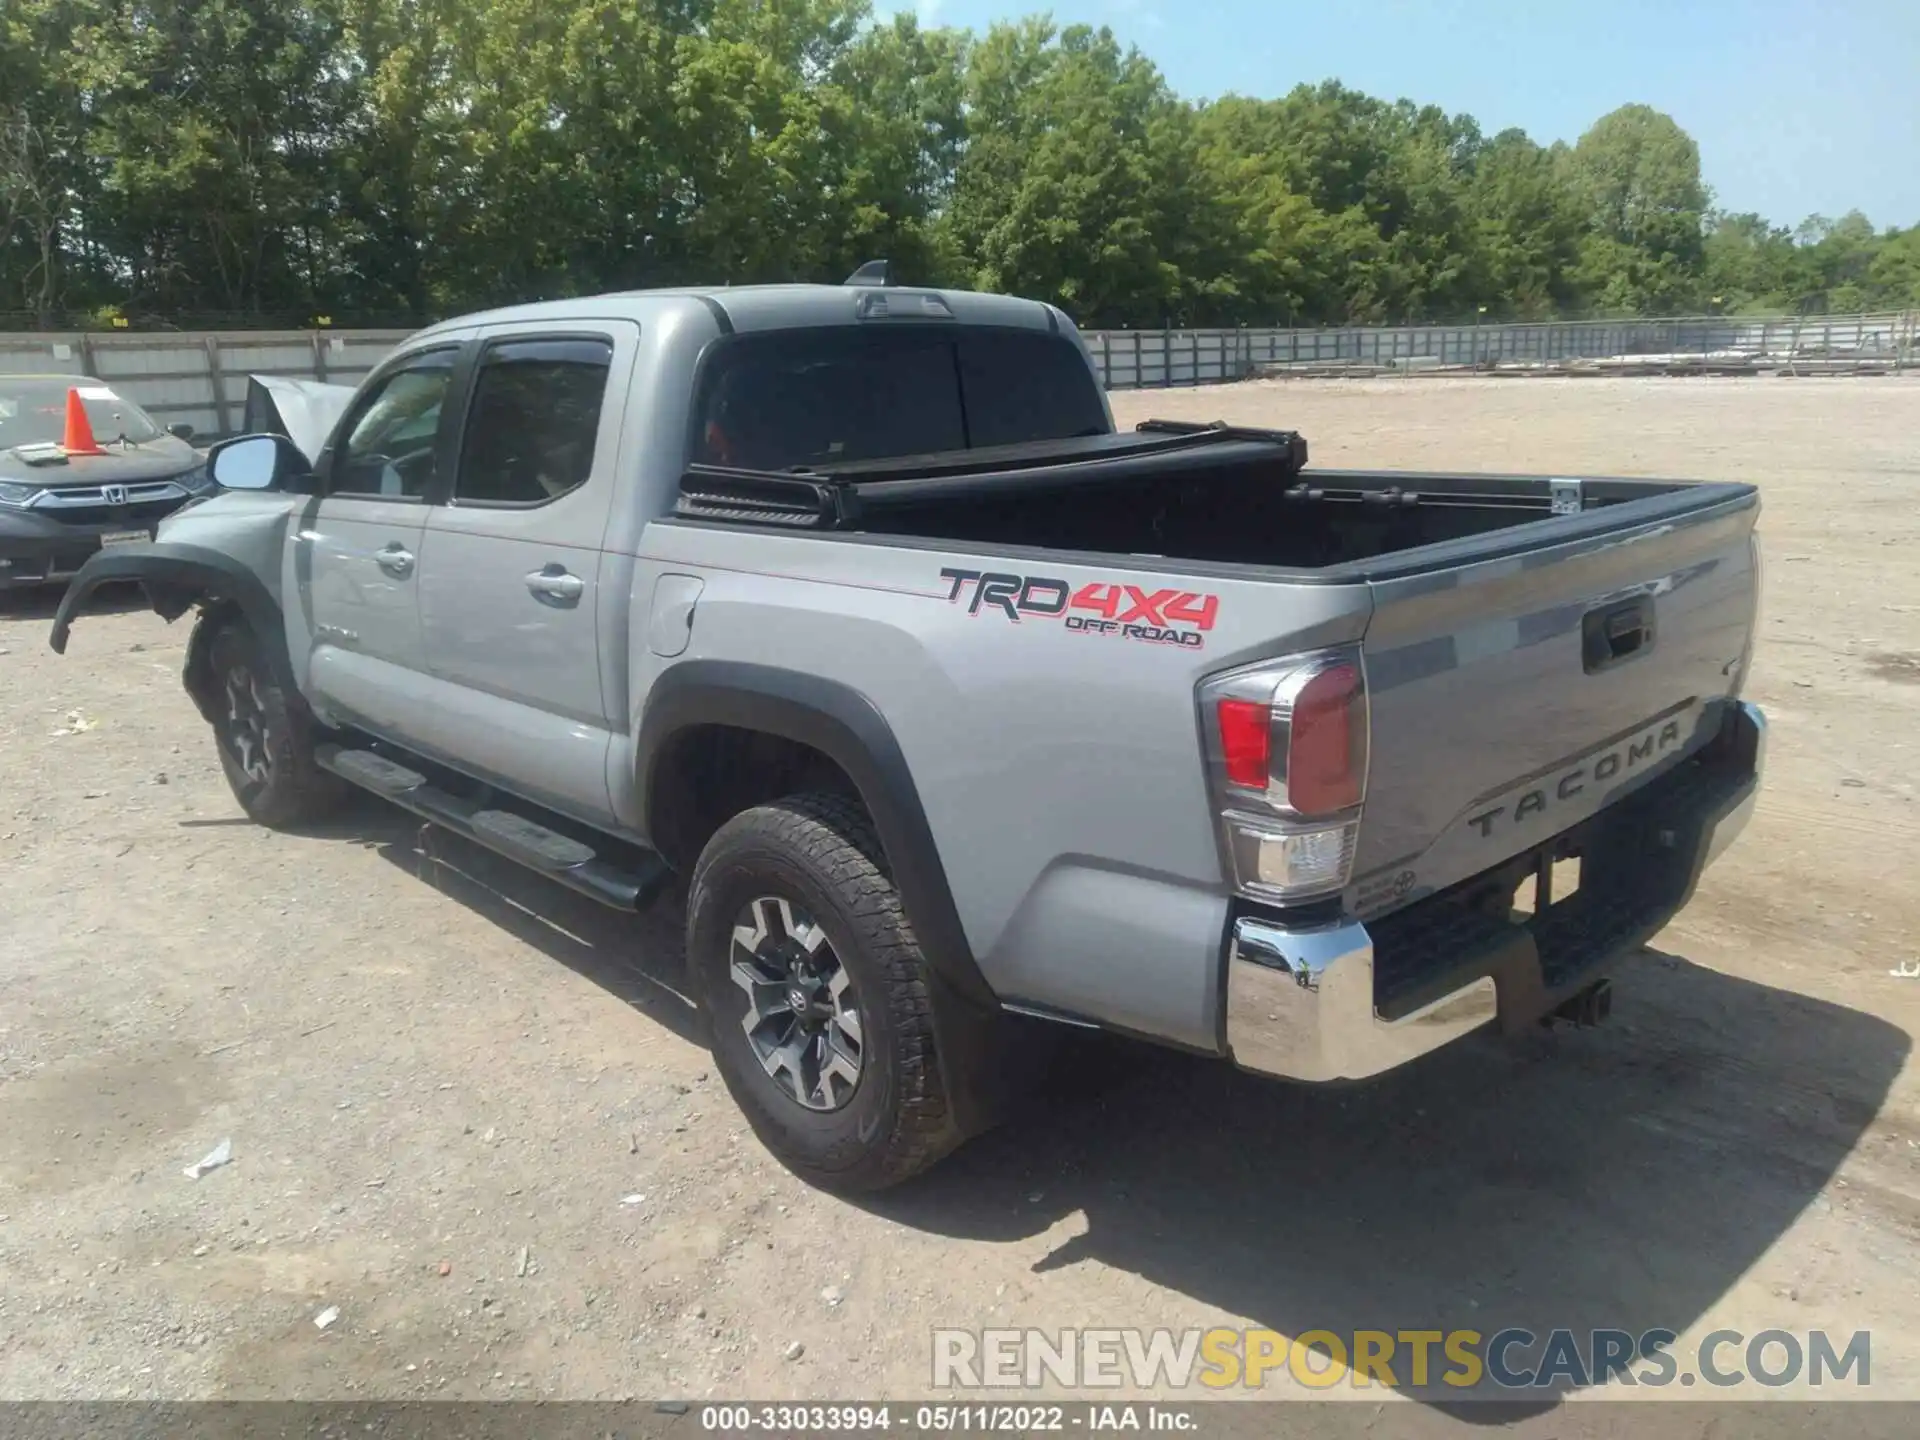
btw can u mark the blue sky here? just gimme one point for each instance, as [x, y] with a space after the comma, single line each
[1799, 106]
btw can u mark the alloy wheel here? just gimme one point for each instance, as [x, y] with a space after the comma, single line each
[801, 1016]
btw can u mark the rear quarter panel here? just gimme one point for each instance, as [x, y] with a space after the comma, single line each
[1060, 769]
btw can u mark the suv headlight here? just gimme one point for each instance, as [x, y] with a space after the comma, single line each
[196, 481]
[13, 493]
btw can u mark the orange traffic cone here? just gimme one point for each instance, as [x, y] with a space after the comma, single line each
[79, 439]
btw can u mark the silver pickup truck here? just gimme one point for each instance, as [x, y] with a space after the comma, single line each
[847, 609]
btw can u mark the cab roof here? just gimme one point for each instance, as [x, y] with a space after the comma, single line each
[776, 307]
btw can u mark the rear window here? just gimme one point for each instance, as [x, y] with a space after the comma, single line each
[819, 397]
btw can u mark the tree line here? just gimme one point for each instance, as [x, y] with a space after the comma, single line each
[388, 161]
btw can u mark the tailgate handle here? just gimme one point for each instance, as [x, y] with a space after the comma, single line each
[1616, 633]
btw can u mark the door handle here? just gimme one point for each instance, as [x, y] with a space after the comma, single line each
[395, 559]
[1616, 633]
[554, 583]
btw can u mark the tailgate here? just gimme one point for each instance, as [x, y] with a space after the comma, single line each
[1512, 698]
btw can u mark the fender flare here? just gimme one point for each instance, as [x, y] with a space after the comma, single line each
[846, 727]
[176, 577]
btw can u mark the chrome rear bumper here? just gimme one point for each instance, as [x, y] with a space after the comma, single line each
[1300, 1005]
[1300, 1002]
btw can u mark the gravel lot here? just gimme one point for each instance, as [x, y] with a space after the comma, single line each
[473, 1115]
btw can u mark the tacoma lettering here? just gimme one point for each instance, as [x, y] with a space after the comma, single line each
[1640, 750]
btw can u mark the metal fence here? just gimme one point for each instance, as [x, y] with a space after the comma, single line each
[201, 378]
[1834, 344]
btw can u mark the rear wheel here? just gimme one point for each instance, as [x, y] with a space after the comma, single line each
[265, 738]
[822, 1021]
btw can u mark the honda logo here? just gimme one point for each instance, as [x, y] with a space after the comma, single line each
[114, 494]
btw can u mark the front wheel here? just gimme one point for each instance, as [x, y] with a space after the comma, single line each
[265, 738]
[813, 983]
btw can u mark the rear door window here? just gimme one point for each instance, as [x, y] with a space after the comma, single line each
[830, 396]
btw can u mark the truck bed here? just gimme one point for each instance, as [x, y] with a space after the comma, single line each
[1215, 496]
[1536, 647]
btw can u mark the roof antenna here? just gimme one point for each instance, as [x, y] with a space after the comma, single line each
[874, 272]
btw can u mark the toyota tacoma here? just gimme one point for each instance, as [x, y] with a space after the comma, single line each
[847, 609]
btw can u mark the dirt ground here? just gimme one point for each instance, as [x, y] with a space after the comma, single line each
[473, 1115]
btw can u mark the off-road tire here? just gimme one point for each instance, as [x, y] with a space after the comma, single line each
[820, 852]
[293, 790]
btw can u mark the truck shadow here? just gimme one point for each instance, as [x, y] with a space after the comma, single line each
[638, 959]
[1623, 1178]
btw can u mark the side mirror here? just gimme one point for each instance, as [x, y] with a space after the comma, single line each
[180, 430]
[256, 462]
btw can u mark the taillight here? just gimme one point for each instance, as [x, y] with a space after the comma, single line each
[1246, 741]
[1287, 745]
[1327, 743]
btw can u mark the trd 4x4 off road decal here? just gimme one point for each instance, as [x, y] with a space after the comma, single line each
[1160, 617]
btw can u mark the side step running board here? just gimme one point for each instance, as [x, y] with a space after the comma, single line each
[559, 857]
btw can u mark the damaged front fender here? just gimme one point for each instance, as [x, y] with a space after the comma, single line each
[177, 577]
